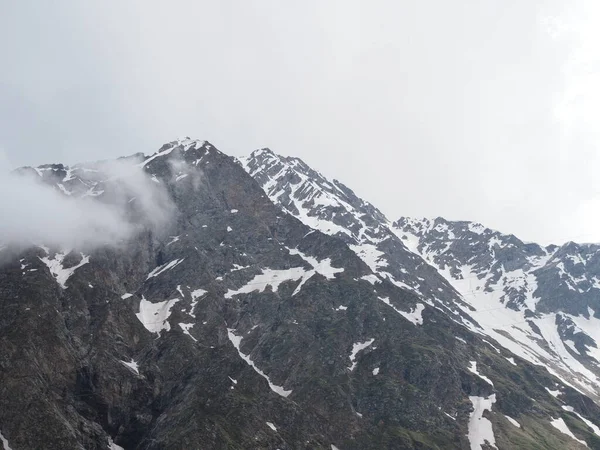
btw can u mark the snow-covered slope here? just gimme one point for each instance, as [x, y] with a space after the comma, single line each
[537, 302]
[542, 303]
[332, 208]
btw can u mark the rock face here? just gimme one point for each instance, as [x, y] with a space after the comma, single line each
[277, 310]
[539, 302]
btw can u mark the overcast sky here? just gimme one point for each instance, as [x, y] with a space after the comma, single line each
[470, 109]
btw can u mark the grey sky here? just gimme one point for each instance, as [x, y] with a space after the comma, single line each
[474, 109]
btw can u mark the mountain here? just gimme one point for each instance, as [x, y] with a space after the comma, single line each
[334, 209]
[539, 302]
[275, 309]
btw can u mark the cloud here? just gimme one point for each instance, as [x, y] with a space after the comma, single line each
[179, 168]
[36, 212]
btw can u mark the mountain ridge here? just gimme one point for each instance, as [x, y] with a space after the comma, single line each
[239, 325]
[435, 242]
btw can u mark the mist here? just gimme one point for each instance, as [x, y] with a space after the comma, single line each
[37, 213]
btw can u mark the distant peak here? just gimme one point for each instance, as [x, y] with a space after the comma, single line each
[267, 153]
[184, 144]
[263, 152]
[187, 142]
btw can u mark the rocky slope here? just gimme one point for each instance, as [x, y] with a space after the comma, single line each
[539, 302]
[536, 302]
[334, 209]
[299, 318]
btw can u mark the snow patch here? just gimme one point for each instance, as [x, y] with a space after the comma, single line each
[160, 269]
[132, 365]
[185, 327]
[271, 426]
[415, 316]
[156, 155]
[64, 189]
[473, 369]
[553, 393]
[196, 294]
[269, 277]
[371, 279]
[154, 316]
[480, 428]
[274, 277]
[370, 255]
[173, 240]
[322, 267]
[561, 426]
[59, 272]
[236, 341]
[4, 442]
[513, 421]
[113, 446]
[357, 347]
[589, 423]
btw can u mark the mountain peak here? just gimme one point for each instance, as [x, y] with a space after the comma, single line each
[186, 143]
[284, 322]
[263, 152]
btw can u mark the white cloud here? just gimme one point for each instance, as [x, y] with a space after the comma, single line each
[37, 213]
